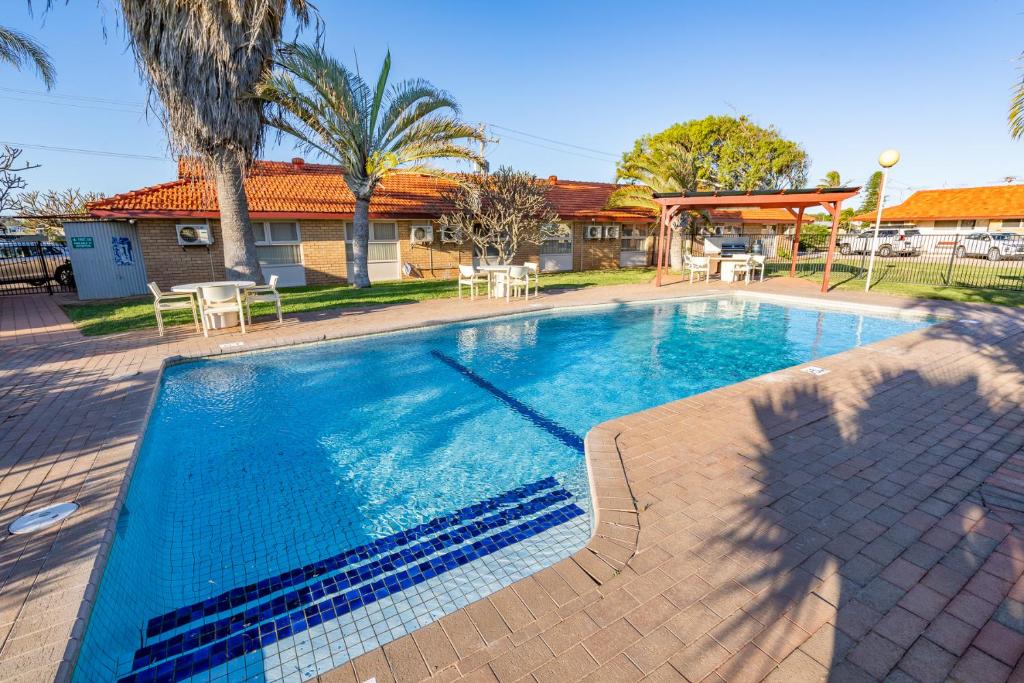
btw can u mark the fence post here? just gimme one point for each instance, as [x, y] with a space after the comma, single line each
[952, 255]
[46, 271]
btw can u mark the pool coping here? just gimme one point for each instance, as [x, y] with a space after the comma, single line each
[616, 518]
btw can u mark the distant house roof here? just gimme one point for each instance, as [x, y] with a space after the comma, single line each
[296, 190]
[993, 201]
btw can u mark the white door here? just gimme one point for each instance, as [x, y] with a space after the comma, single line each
[382, 262]
[556, 253]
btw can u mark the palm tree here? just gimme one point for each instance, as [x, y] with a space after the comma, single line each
[203, 60]
[660, 168]
[18, 50]
[831, 179]
[371, 132]
[1016, 116]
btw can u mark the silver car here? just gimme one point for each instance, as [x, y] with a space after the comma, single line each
[24, 262]
[994, 246]
[890, 242]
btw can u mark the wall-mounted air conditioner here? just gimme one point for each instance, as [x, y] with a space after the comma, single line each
[611, 232]
[592, 232]
[448, 236]
[194, 235]
[421, 234]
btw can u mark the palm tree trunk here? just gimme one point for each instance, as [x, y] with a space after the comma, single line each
[676, 249]
[360, 276]
[240, 262]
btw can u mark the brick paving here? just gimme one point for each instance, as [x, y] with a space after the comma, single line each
[850, 526]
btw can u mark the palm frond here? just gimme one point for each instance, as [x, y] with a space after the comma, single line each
[1016, 114]
[19, 50]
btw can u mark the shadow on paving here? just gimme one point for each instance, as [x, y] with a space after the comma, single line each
[862, 549]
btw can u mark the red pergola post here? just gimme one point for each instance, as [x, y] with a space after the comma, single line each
[796, 240]
[833, 235]
[661, 244]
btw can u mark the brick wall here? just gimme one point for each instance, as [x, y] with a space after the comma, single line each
[323, 253]
[170, 264]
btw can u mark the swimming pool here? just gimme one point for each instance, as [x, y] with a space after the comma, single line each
[293, 509]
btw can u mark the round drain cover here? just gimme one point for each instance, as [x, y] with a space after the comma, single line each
[42, 518]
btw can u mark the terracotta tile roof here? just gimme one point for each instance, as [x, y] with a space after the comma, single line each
[287, 189]
[994, 201]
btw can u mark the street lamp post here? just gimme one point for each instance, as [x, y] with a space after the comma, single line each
[886, 160]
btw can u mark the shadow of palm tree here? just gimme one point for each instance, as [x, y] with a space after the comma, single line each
[857, 516]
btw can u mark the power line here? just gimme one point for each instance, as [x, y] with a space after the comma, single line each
[555, 149]
[87, 98]
[89, 152]
[75, 105]
[557, 142]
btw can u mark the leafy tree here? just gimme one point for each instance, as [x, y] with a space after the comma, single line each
[502, 210]
[41, 212]
[831, 179]
[871, 193]
[716, 152]
[203, 60]
[370, 131]
[19, 50]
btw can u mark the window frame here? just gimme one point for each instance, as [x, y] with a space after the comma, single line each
[268, 241]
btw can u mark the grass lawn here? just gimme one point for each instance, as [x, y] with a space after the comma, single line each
[123, 315]
[1002, 297]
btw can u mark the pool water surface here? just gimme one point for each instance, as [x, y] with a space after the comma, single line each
[293, 509]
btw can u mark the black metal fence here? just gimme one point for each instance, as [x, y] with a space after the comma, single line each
[905, 256]
[35, 268]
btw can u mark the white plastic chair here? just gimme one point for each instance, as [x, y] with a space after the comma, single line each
[261, 293]
[516, 280]
[755, 262]
[534, 269]
[698, 265]
[171, 301]
[218, 300]
[473, 278]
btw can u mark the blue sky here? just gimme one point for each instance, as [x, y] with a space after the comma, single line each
[846, 81]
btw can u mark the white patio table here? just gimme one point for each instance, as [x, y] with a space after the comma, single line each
[219, 320]
[492, 287]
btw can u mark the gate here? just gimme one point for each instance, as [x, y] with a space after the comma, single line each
[35, 268]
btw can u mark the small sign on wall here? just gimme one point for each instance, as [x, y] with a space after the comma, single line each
[84, 242]
[123, 254]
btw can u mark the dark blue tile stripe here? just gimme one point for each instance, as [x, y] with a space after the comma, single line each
[566, 436]
[258, 637]
[271, 609]
[242, 595]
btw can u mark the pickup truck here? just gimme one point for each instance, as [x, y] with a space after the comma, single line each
[20, 262]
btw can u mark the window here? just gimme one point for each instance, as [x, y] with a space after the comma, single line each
[946, 224]
[383, 246]
[633, 238]
[1013, 222]
[277, 244]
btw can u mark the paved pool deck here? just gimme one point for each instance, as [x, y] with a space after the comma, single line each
[793, 527]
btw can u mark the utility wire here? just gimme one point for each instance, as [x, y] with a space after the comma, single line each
[555, 149]
[90, 152]
[557, 142]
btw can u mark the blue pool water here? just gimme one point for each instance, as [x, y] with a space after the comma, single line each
[293, 509]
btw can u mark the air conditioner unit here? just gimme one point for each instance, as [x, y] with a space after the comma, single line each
[611, 232]
[448, 236]
[592, 232]
[421, 234]
[194, 235]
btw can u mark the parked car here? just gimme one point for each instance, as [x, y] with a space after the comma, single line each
[991, 245]
[22, 263]
[890, 242]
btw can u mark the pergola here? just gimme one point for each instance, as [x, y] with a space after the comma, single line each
[794, 201]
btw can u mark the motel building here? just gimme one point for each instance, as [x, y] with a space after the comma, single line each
[301, 217]
[994, 208]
